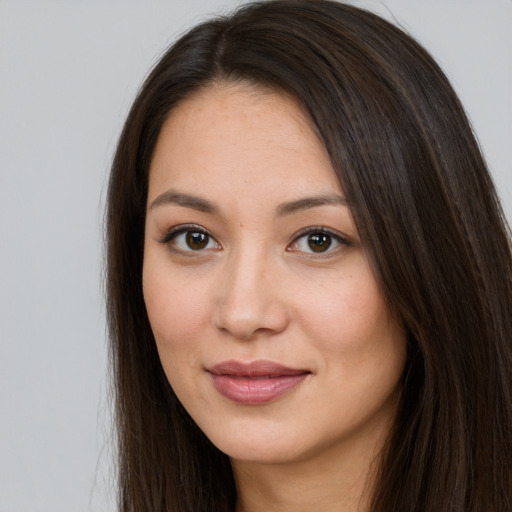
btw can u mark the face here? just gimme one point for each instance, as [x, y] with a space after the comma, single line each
[269, 324]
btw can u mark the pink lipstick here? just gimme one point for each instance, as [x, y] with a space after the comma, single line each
[255, 383]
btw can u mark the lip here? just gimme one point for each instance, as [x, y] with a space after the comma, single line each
[255, 383]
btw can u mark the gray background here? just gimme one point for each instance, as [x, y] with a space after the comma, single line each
[69, 71]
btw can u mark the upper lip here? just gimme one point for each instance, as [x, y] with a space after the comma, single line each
[255, 369]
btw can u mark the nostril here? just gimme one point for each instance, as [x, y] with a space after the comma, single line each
[249, 319]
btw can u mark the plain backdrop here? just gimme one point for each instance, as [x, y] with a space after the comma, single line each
[69, 71]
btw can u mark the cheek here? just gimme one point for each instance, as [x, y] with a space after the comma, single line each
[349, 322]
[178, 316]
[176, 308]
[362, 350]
[343, 308]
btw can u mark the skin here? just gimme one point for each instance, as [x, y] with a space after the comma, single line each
[257, 291]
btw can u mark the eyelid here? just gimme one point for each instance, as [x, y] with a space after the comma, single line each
[181, 228]
[175, 231]
[339, 237]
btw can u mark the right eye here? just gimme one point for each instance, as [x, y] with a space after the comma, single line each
[190, 239]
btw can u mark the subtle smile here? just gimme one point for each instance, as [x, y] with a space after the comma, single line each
[255, 383]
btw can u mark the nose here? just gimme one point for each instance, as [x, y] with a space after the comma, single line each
[250, 300]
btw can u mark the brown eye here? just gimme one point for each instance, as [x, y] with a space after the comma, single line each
[189, 240]
[196, 240]
[319, 242]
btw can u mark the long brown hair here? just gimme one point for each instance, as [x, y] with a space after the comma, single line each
[427, 212]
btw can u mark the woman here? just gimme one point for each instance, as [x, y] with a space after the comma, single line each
[308, 276]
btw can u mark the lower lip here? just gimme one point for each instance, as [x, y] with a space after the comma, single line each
[254, 391]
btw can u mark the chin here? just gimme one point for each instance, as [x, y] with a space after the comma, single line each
[262, 454]
[263, 444]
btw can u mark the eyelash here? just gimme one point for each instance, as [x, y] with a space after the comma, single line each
[173, 233]
[320, 230]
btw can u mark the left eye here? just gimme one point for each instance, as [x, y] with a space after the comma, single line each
[317, 242]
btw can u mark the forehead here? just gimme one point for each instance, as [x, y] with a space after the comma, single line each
[246, 137]
[245, 102]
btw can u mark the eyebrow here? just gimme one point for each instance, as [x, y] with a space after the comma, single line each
[203, 205]
[310, 202]
[185, 200]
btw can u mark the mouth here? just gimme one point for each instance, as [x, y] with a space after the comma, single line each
[255, 383]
